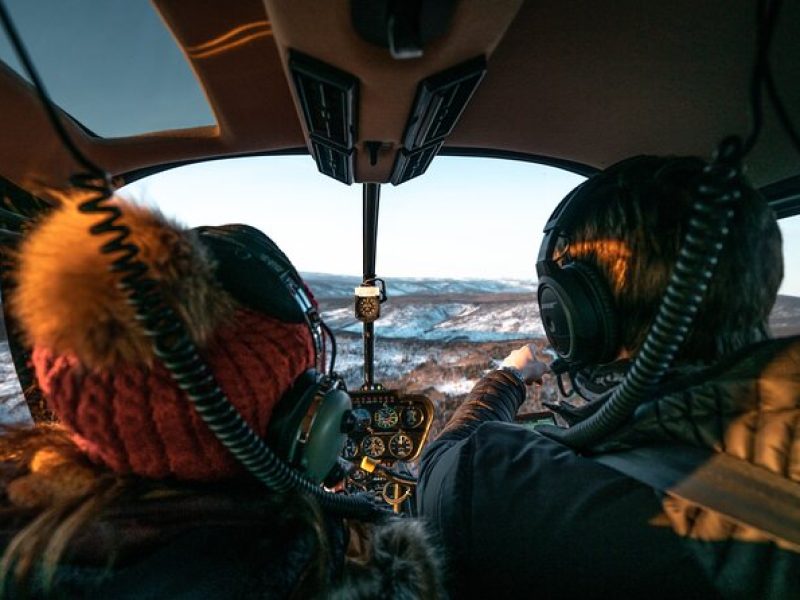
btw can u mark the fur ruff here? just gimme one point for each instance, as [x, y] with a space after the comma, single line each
[400, 561]
[68, 300]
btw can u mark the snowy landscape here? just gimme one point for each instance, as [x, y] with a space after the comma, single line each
[436, 337]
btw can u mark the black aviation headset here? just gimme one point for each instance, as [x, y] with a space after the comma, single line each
[576, 305]
[575, 302]
[305, 429]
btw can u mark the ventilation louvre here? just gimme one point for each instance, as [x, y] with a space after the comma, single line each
[412, 164]
[439, 102]
[333, 162]
[328, 98]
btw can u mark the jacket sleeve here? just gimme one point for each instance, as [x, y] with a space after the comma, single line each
[496, 397]
[445, 475]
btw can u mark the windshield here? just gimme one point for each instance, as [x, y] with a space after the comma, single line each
[447, 224]
[456, 247]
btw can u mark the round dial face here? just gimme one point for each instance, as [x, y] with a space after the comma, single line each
[350, 448]
[373, 446]
[413, 417]
[401, 445]
[386, 417]
[370, 307]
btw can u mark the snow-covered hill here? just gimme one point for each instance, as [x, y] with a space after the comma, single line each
[13, 409]
[327, 286]
[434, 336]
[475, 310]
[475, 318]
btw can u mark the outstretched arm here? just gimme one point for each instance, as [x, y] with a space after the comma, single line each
[497, 396]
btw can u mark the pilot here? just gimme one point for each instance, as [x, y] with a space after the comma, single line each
[522, 514]
[129, 494]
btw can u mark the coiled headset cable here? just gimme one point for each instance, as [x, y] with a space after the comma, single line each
[171, 343]
[718, 192]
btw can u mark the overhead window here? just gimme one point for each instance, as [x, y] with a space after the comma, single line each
[112, 65]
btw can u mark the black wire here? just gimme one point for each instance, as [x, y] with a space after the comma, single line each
[766, 17]
[332, 338]
[41, 91]
[171, 343]
[713, 208]
[768, 13]
[780, 110]
[576, 387]
[564, 393]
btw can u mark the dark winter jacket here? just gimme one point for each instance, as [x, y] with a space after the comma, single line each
[223, 545]
[522, 515]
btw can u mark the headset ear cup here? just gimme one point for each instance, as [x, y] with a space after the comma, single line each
[306, 426]
[288, 415]
[557, 296]
[325, 439]
[602, 303]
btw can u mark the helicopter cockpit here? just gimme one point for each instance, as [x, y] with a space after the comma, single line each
[285, 115]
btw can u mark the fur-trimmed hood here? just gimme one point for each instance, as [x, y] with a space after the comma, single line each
[399, 560]
[69, 301]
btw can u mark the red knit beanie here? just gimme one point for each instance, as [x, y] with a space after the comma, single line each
[96, 367]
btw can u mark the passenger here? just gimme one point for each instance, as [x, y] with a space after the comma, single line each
[130, 495]
[522, 515]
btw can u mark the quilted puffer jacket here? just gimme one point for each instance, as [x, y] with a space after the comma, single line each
[520, 512]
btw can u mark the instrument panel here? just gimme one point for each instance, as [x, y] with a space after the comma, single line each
[393, 428]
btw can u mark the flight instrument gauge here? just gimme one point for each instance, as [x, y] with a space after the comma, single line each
[412, 417]
[386, 417]
[350, 448]
[401, 445]
[373, 446]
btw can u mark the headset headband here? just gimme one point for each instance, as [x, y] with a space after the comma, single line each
[563, 218]
[257, 273]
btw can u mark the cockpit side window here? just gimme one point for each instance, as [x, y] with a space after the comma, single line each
[785, 317]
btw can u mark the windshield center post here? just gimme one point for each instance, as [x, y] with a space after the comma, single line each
[368, 295]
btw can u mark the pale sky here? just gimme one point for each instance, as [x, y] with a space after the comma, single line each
[465, 217]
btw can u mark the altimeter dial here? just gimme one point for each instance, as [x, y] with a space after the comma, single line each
[373, 446]
[401, 445]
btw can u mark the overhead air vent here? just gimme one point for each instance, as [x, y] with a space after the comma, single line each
[438, 105]
[411, 164]
[328, 98]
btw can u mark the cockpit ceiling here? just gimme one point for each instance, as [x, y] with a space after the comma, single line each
[158, 90]
[583, 81]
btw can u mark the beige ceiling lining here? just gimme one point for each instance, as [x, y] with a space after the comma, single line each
[244, 84]
[589, 81]
[594, 82]
[387, 87]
